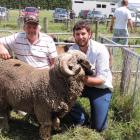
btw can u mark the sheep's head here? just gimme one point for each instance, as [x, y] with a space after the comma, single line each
[73, 63]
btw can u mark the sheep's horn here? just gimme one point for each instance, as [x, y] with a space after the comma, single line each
[67, 67]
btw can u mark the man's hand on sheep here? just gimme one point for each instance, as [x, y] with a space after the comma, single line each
[4, 54]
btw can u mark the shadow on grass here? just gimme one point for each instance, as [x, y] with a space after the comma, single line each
[22, 130]
[27, 128]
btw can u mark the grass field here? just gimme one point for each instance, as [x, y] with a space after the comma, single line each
[12, 25]
[56, 27]
[52, 27]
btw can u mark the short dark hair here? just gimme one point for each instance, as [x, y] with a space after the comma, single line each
[82, 24]
[124, 2]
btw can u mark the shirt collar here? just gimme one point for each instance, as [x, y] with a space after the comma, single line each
[35, 42]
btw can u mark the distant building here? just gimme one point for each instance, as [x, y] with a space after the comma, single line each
[106, 8]
[133, 4]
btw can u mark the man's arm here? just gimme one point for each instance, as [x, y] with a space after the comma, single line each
[52, 61]
[130, 24]
[4, 54]
[92, 81]
[112, 24]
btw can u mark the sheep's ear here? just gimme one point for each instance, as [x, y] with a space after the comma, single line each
[86, 66]
[84, 63]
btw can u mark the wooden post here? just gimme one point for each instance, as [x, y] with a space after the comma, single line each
[67, 24]
[135, 100]
[45, 24]
[126, 72]
[0, 20]
[108, 23]
[96, 29]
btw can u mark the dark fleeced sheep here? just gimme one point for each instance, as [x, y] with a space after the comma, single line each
[41, 91]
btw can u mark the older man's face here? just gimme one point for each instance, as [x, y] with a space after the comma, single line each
[32, 30]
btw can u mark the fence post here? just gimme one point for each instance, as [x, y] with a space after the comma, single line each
[67, 24]
[0, 20]
[126, 71]
[108, 23]
[135, 85]
[96, 29]
[45, 24]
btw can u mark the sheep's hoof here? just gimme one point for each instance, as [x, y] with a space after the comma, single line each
[64, 107]
[45, 132]
[56, 124]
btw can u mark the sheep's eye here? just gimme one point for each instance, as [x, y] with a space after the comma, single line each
[70, 67]
[17, 64]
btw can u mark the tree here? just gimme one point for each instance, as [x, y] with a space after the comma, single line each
[43, 4]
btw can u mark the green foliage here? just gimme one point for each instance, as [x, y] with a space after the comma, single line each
[79, 133]
[122, 131]
[134, 41]
[85, 104]
[43, 4]
[124, 120]
[122, 107]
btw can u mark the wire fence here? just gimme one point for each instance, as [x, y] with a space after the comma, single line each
[125, 64]
[125, 68]
[5, 33]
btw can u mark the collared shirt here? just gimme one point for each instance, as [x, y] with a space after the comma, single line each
[37, 54]
[98, 55]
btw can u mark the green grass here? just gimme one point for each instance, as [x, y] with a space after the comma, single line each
[123, 124]
[78, 133]
[56, 27]
[52, 27]
[14, 14]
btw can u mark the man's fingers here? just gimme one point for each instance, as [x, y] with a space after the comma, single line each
[5, 56]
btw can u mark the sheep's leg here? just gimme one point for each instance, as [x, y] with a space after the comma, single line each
[56, 124]
[4, 115]
[4, 126]
[45, 131]
[45, 120]
[63, 109]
